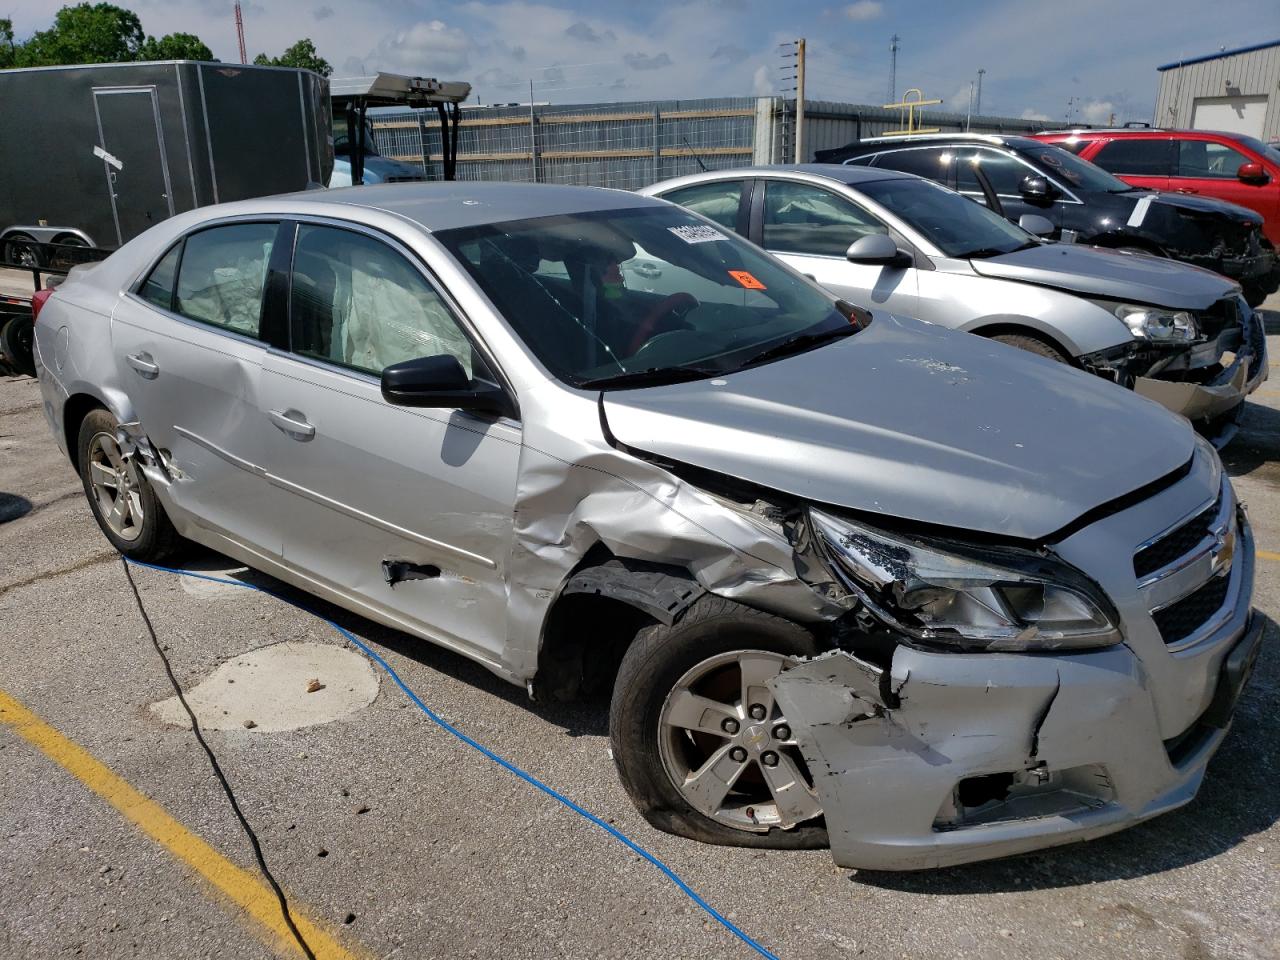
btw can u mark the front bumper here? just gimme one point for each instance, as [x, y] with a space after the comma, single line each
[946, 758]
[1211, 402]
[1074, 737]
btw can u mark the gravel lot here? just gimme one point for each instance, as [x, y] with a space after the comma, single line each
[409, 844]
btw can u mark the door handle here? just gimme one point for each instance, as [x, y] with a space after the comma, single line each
[144, 365]
[293, 423]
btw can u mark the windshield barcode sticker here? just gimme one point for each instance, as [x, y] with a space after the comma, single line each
[697, 233]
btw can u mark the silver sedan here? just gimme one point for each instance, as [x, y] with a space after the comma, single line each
[838, 580]
[1179, 334]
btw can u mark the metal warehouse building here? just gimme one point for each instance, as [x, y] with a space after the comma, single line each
[1234, 90]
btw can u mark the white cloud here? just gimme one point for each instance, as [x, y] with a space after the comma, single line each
[762, 83]
[427, 48]
[1097, 111]
[864, 10]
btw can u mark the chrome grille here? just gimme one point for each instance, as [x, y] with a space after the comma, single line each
[1181, 541]
[1185, 574]
[1180, 620]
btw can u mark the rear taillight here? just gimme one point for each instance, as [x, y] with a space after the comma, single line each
[37, 303]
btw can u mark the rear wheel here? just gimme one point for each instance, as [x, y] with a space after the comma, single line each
[1032, 344]
[16, 334]
[700, 744]
[22, 250]
[122, 500]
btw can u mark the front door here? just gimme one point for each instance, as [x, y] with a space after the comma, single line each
[811, 228]
[131, 146]
[407, 511]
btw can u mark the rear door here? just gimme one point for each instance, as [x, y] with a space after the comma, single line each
[131, 147]
[1142, 161]
[188, 349]
[811, 228]
[367, 484]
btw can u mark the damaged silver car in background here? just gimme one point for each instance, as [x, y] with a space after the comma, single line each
[843, 584]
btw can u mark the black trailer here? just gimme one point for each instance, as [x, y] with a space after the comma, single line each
[93, 155]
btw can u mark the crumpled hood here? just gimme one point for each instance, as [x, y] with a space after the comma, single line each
[918, 422]
[1097, 272]
[1207, 206]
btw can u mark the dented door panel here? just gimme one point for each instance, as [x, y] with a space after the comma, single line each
[375, 483]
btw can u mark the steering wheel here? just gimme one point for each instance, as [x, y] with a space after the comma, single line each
[678, 305]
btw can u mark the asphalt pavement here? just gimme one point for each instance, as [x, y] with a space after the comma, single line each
[391, 838]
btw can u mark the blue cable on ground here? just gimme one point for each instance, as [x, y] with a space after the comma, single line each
[500, 761]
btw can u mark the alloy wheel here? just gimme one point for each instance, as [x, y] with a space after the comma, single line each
[729, 750]
[117, 488]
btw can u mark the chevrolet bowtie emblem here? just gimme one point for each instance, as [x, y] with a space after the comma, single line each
[1224, 552]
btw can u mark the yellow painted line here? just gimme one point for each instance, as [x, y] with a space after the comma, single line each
[242, 888]
[1267, 555]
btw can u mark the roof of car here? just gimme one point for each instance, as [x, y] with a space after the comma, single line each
[1113, 133]
[1006, 139]
[838, 172]
[444, 205]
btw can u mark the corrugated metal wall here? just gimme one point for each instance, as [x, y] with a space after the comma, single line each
[1256, 73]
[630, 145]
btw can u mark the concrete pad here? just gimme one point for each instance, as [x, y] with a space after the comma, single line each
[285, 686]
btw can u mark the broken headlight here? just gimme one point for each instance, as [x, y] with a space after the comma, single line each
[974, 598]
[1157, 324]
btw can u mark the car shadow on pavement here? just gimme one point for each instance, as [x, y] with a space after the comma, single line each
[588, 718]
[13, 506]
[1237, 801]
[1257, 445]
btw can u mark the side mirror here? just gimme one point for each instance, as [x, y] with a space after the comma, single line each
[876, 248]
[440, 381]
[1252, 173]
[1035, 224]
[1035, 189]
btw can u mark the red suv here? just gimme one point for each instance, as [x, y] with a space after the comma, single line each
[1227, 166]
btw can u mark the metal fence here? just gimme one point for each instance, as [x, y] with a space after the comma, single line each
[630, 145]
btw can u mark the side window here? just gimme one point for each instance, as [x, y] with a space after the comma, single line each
[967, 177]
[799, 218]
[157, 289]
[1003, 172]
[716, 201]
[1200, 158]
[1138, 158]
[931, 164]
[356, 302]
[222, 274]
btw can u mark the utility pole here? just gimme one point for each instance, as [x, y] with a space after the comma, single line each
[968, 117]
[1071, 108]
[244, 57]
[977, 100]
[800, 100]
[893, 69]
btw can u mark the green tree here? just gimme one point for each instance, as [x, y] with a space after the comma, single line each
[175, 46]
[8, 49]
[84, 33]
[302, 55]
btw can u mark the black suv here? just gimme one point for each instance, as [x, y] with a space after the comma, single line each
[1017, 176]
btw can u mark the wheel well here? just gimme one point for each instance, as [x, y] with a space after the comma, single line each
[74, 411]
[995, 329]
[583, 644]
[68, 237]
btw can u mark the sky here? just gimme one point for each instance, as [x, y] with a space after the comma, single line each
[1092, 58]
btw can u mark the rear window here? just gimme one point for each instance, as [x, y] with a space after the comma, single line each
[222, 274]
[1138, 158]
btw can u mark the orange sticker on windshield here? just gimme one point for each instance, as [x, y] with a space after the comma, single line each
[747, 280]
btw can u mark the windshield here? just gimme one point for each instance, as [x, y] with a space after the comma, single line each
[1257, 146]
[655, 291]
[953, 223]
[1063, 165]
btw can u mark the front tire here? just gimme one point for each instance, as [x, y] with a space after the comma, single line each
[1041, 348]
[123, 502]
[700, 745]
